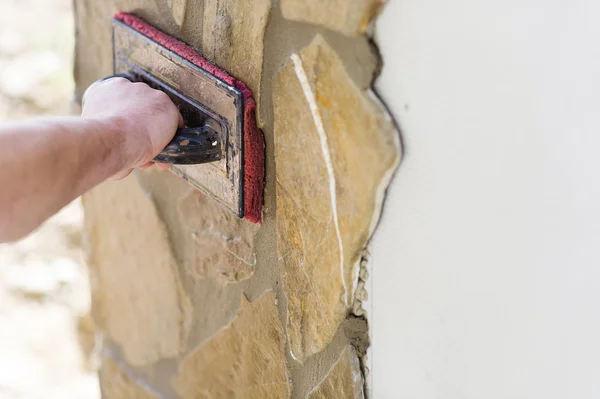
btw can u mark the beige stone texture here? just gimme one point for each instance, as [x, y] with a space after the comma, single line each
[350, 17]
[89, 341]
[213, 288]
[137, 296]
[223, 244]
[233, 37]
[335, 150]
[329, 158]
[117, 384]
[245, 360]
[344, 380]
[178, 8]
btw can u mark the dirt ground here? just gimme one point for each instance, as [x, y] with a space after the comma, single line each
[43, 282]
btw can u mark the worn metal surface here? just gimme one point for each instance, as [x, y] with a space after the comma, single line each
[203, 100]
[192, 146]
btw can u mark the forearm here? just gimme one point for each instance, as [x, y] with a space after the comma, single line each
[45, 164]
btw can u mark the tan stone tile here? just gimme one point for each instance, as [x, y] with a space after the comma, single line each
[178, 8]
[350, 17]
[245, 360]
[344, 380]
[136, 290]
[88, 341]
[335, 150]
[117, 384]
[211, 286]
[233, 35]
[223, 244]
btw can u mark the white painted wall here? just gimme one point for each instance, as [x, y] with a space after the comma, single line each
[486, 266]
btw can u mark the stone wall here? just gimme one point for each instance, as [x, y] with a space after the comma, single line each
[192, 302]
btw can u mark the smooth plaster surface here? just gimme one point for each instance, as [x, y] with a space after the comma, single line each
[485, 267]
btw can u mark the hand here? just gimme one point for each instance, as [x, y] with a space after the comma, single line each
[146, 117]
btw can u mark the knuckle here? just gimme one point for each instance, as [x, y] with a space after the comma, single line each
[117, 80]
[139, 86]
[162, 96]
[163, 102]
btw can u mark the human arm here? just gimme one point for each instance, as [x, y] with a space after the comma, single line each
[46, 163]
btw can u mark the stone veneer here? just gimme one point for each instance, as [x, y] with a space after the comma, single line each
[192, 302]
[331, 173]
[348, 17]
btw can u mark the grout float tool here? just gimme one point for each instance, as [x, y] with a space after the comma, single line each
[221, 150]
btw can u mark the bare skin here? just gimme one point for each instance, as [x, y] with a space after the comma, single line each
[47, 163]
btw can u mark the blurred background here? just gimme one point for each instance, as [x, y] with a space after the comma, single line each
[44, 290]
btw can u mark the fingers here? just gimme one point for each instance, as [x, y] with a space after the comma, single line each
[121, 175]
[161, 166]
[173, 107]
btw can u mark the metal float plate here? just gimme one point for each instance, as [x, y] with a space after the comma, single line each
[201, 97]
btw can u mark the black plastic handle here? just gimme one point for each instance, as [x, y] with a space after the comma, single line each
[190, 145]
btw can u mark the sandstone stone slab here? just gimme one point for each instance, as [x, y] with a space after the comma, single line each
[221, 246]
[89, 341]
[233, 35]
[117, 384]
[245, 360]
[178, 8]
[344, 380]
[210, 282]
[350, 17]
[137, 296]
[335, 150]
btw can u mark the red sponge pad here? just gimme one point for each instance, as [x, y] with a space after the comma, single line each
[254, 144]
